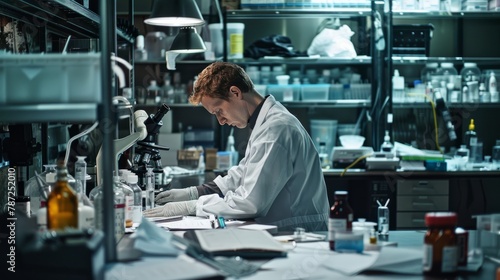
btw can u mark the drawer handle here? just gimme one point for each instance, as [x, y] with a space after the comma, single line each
[422, 204]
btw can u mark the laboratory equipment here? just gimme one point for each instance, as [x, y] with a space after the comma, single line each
[81, 175]
[147, 152]
[38, 190]
[476, 152]
[343, 157]
[150, 189]
[341, 216]
[62, 203]
[119, 209]
[383, 221]
[440, 244]
[470, 135]
[351, 141]
[445, 113]
[137, 208]
[349, 242]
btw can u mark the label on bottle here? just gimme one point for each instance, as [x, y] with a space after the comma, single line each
[336, 225]
[129, 204]
[427, 258]
[450, 259]
[119, 220]
[86, 217]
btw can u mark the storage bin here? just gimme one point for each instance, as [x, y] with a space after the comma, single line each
[284, 92]
[324, 131]
[315, 92]
[50, 78]
[412, 39]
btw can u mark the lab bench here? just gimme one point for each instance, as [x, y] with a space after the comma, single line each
[304, 261]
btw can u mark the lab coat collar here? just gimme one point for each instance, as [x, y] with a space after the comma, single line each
[269, 102]
[253, 118]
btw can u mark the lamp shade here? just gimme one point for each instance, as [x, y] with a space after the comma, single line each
[175, 13]
[188, 41]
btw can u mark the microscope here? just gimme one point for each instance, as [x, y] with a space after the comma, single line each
[147, 152]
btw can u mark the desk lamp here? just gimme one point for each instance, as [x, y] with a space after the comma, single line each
[179, 13]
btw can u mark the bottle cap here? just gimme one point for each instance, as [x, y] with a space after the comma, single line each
[441, 219]
[472, 126]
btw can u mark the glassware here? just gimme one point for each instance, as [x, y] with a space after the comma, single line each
[62, 203]
[33, 191]
[341, 216]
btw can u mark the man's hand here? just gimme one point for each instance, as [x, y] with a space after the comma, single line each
[172, 195]
[179, 208]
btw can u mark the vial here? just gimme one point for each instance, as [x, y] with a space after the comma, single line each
[383, 223]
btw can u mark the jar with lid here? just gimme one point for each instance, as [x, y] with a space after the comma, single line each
[440, 244]
[428, 72]
[341, 216]
[470, 73]
[446, 72]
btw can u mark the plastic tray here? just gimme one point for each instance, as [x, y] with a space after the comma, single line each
[50, 78]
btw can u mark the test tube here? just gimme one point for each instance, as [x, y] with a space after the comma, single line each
[383, 222]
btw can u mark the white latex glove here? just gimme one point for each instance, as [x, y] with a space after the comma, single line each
[179, 208]
[190, 193]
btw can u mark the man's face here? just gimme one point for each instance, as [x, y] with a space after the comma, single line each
[233, 112]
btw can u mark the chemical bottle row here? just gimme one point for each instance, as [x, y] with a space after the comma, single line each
[267, 74]
[165, 91]
[61, 203]
[471, 85]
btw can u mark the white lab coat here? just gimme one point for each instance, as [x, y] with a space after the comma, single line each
[279, 181]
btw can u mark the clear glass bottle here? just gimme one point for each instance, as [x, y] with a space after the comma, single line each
[447, 72]
[140, 54]
[492, 87]
[440, 244]
[341, 217]
[129, 202]
[137, 209]
[33, 191]
[168, 91]
[495, 154]
[62, 203]
[427, 73]
[470, 135]
[154, 93]
[119, 209]
[80, 175]
[150, 189]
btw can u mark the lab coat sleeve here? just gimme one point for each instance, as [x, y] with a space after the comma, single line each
[266, 170]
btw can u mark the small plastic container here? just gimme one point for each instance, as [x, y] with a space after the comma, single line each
[315, 92]
[349, 241]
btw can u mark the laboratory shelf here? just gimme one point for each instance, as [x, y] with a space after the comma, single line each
[84, 112]
[347, 103]
[419, 14]
[67, 15]
[298, 13]
[455, 105]
[416, 60]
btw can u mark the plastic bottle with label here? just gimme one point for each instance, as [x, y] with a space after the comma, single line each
[150, 189]
[137, 208]
[81, 174]
[341, 217]
[492, 87]
[140, 54]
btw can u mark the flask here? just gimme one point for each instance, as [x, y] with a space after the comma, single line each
[119, 209]
[140, 54]
[80, 175]
[62, 203]
[137, 208]
[492, 87]
[150, 189]
[440, 244]
[341, 216]
[470, 135]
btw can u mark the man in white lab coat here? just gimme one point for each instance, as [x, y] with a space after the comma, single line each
[279, 181]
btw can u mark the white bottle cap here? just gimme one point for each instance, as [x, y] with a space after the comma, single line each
[139, 42]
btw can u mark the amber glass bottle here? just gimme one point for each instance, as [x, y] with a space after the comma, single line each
[341, 216]
[440, 244]
[62, 203]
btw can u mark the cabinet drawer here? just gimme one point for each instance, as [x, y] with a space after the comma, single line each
[422, 203]
[426, 187]
[410, 220]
